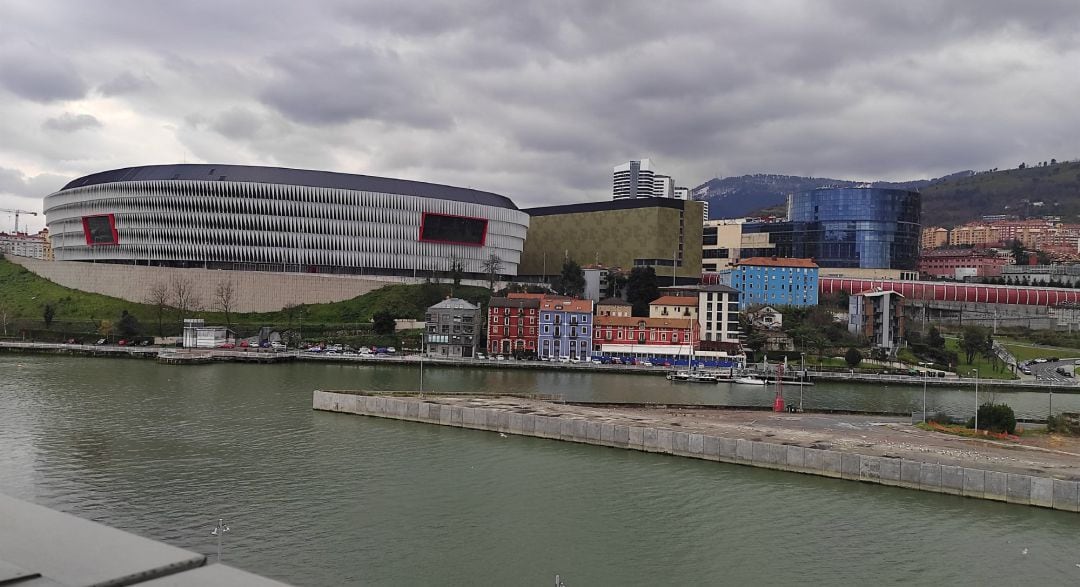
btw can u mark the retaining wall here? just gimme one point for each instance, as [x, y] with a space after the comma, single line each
[978, 483]
[253, 291]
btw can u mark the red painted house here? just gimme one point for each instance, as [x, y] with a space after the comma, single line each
[623, 330]
[512, 325]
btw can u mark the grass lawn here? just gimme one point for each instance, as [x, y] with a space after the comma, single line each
[1027, 351]
[985, 367]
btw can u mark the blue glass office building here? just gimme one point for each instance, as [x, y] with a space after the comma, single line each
[867, 228]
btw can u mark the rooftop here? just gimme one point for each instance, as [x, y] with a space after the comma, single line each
[514, 303]
[674, 301]
[613, 302]
[776, 262]
[287, 176]
[565, 305]
[455, 304]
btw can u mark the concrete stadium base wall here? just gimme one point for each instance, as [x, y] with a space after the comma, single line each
[254, 291]
[978, 483]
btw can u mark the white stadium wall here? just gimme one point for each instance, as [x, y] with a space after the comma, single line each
[272, 219]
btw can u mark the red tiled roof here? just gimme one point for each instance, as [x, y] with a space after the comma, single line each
[777, 262]
[567, 305]
[674, 301]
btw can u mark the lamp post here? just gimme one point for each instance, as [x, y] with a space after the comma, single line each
[976, 372]
[219, 531]
[423, 351]
[924, 396]
[802, 377]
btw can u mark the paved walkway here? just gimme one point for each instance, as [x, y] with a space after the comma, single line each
[1049, 456]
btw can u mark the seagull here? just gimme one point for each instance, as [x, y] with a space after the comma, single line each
[503, 435]
[1023, 551]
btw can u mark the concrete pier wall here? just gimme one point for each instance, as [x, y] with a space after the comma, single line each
[969, 482]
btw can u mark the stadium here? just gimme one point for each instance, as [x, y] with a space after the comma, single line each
[248, 218]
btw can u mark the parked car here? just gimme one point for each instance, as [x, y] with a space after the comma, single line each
[226, 345]
[481, 356]
[277, 346]
[391, 350]
[646, 363]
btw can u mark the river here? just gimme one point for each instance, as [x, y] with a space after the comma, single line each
[327, 499]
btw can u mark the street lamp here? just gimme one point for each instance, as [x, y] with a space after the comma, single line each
[976, 372]
[219, 531]
[924, 373]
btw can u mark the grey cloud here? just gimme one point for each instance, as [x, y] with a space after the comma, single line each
[17, 183]
[68, 122]
[38, 74]
[237, 123]
[339, 84]
[539, 99]
[125, 83]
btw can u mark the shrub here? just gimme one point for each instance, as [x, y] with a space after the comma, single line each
[995, 418]
[853, 357]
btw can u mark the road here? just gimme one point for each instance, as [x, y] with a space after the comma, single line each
[1047, 372]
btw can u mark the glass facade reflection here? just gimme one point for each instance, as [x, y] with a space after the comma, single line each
[868, 228]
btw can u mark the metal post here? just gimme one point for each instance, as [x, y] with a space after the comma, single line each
[924, 396]
[976, 372]
[423, 350]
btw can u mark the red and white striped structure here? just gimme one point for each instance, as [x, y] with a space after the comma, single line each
[954, 292]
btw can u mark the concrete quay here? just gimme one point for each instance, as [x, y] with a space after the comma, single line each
[856, 448]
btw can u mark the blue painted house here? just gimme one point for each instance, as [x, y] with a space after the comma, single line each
[774, 281]
[565, 329]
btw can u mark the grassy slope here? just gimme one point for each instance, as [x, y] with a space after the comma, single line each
[986, 368]
[24, 295]
[958, 200]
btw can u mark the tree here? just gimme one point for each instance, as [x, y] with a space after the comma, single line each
[1022, 166]
[5, 317]
[616, 281]
[225, 300]
[383, 322]
[934, 339]
[641, 289]
[853, 357]
[158, 297]
[571, 280]
[457, 270]
[105, 328]
[1016, 249]
[492, 266]
[183, 296]
[48, 313]
[975, 340]
[128, 326]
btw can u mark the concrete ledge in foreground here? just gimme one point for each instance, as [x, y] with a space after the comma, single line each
[506, 416]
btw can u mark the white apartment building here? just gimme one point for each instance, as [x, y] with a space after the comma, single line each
[718, 313]
[25, 245]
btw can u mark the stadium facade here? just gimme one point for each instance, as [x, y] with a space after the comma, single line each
[249, 218]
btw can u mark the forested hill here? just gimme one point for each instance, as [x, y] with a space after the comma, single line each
[732, 197]
[1043, 189]
[1039, 190]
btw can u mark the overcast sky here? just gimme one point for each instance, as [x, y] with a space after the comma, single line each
[535, 100]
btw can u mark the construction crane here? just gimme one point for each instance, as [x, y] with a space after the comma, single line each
[17, 212]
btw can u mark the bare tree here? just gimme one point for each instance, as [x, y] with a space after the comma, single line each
[158, 297]
[184, 297]
[492, 267]
[5, 317]
[225, 299]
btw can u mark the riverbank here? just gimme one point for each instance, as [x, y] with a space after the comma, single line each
[269, 356]
[887, 451]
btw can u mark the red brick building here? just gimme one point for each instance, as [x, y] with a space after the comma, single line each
[960, 263]
[512, 324]
[620, 330]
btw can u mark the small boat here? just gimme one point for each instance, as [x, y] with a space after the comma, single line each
[751, 381]
[692, 377]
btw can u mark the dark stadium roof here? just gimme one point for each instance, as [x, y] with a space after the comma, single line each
[607, 205]
[284, 176]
